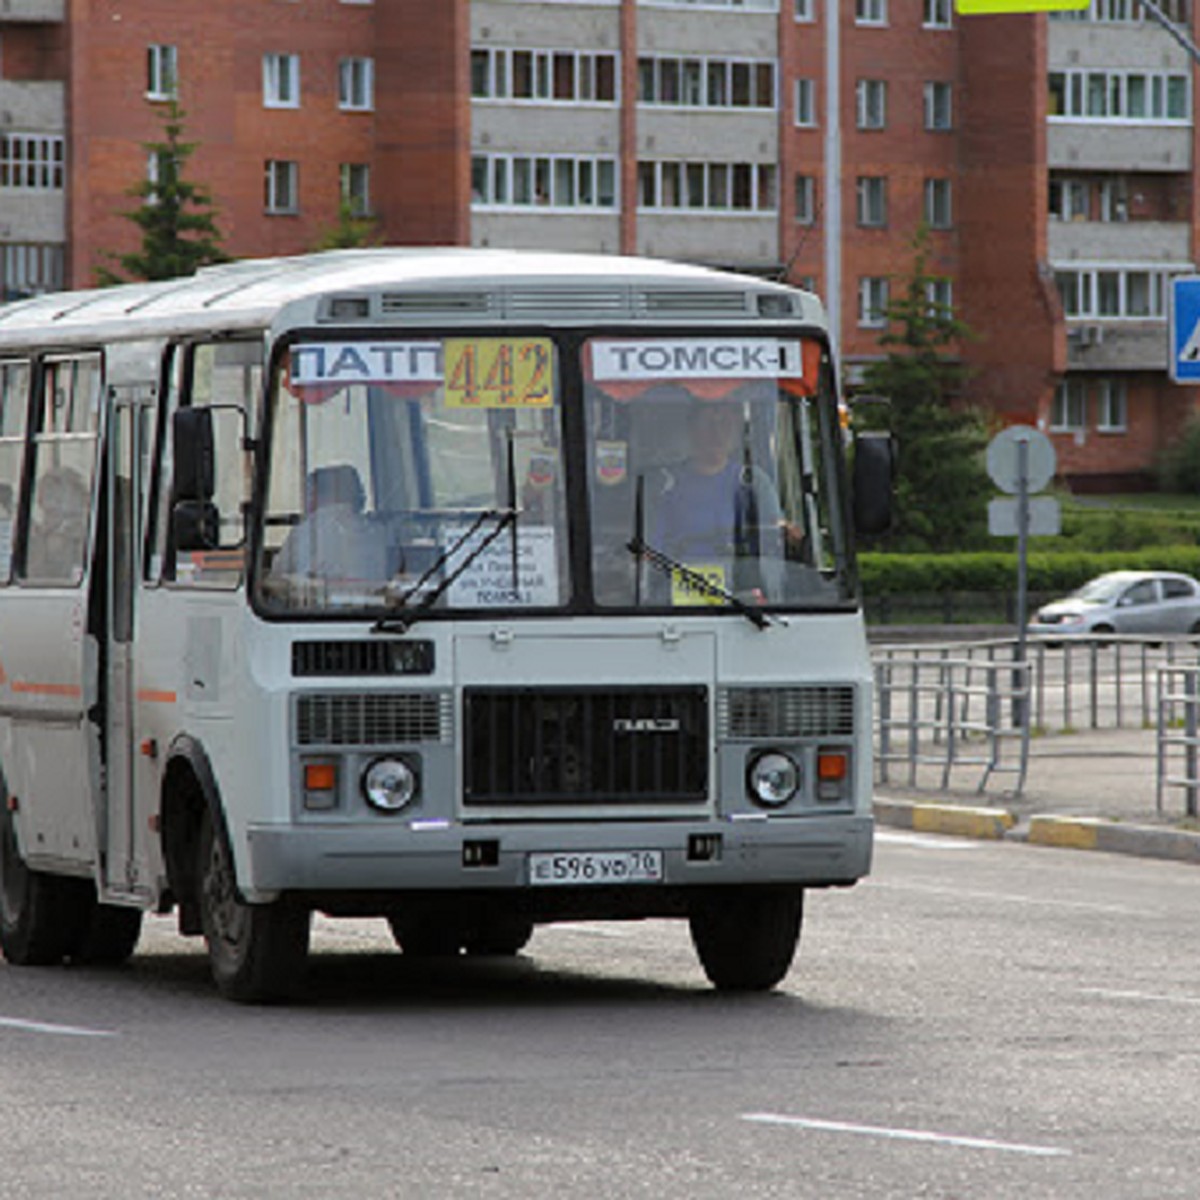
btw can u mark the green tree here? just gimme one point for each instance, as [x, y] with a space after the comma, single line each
[353, 229]
[942, 485]
[176, 216]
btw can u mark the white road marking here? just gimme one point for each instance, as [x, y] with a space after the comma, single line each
[62, 1030]
[924, 840]
[907, 1135]
[1152, 997]
[1011, 898]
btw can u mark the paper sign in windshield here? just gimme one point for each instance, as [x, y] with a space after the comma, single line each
[339, 363]
[499, 373]
[697, 358]
[488, 580]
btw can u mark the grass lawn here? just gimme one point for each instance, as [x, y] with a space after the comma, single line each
[1185, 503]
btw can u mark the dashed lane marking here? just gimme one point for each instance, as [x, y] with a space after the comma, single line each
[61, 1030]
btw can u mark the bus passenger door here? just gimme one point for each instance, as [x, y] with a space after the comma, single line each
[129, 433]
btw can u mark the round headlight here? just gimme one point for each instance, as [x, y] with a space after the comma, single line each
[389, 784]
[774, 779]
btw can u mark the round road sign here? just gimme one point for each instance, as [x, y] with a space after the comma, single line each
[1004, 459]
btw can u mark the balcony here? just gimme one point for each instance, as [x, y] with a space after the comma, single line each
[1117, 346]
[37, 107]
[1167, 242]
[1112, 146]
[32, 11]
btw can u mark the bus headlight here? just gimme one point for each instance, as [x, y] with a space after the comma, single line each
[773, 779]
[389, 784]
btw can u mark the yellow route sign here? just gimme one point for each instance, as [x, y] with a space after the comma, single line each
[971, 7]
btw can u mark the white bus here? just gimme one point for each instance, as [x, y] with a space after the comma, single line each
[474, 590]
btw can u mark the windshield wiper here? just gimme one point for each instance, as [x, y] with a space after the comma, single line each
[504, 517]
[640, 549]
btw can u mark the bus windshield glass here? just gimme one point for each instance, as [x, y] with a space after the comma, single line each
[416, 473]
[714, 473]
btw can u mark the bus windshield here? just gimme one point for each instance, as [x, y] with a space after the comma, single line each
[408, 475]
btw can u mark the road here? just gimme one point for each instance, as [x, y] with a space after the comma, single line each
[976, 1020]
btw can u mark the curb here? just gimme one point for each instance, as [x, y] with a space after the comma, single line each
[1062, 832]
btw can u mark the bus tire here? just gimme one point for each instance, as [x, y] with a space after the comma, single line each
[40, 914]
[746, 937]
[499, 937]
[257, 952]
[110, 936]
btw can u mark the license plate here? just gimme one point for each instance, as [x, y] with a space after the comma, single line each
[563, 868]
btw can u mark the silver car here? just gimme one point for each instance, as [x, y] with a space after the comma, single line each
[1125, 602]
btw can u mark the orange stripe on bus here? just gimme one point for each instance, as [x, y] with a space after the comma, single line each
[150, 696]
[47, 689]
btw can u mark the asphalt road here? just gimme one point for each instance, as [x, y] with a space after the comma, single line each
[976, 1020]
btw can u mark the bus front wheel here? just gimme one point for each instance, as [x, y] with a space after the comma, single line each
[746, 937]
[257, 952]
[40, 915]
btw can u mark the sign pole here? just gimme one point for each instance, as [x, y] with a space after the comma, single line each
[1022, 574]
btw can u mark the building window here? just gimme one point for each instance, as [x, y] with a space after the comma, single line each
[937, 14]
[1125, 293]
[939, 113]
[806, 200]
[940, 295]
[356, 188]
[806, 103]
[871, 198]
[939, 209]
[872, 301]
[31, 162]
[721, 187]
[870, 12]
[1070, 199]
[162, 72]
[543, 76]
[871, 103]
[1068, 411]
[356, 84]
[1114, 199]
[29, 269]
[742, 5]
[551, 180]
[706, 82]
[805, 11]
[1160, 97]
[281, 80]
[1126, 12]
[282, 186]
[1111, 406]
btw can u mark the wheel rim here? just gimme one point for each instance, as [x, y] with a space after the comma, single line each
[226, 917]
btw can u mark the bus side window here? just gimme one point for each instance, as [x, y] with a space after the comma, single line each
[63, 470]
[14, 409]
[227, 377]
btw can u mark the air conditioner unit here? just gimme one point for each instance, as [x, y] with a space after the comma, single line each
[1091, 335]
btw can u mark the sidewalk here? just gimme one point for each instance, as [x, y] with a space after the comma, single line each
[1092, 790]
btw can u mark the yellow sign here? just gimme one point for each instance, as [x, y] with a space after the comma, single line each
[499, 373]
[971, 7]
[684, 591]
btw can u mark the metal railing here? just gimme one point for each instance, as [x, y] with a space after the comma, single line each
[1178, 741]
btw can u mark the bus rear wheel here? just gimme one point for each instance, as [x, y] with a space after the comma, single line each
[746, 937]
[40, 915]
[257, 952]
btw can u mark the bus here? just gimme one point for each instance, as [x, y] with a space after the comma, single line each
[352, 584]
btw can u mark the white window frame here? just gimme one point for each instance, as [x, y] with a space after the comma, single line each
[716, 87]
[870, 100]
[939, 106]
[940, 294]
[1112, 406]
[1130, 292]
[282, 187]
[939, 203]
[32, 162]
[806, 103]
[356, 84]
[871, 201]
[938, 14]
[805, 193]
[870, 12]
[805, 11]
[1099, 95]
[585, 75]
[354, 184]
[162, 71]
[707, 187]
[544, 183]
[874, 294]
[1068, 409]
[281, 80]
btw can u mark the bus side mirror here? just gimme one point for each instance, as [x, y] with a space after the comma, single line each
[194, 454]
[874, 481]
[195, 525]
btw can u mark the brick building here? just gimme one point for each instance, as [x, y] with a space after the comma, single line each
[1053, 159]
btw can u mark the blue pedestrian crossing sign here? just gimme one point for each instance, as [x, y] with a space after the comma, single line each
[1184, 336]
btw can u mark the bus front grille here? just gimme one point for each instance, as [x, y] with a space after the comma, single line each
[373, 718]
[614, 746]
[756, 713]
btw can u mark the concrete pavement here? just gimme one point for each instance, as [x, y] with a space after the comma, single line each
[1092, 790]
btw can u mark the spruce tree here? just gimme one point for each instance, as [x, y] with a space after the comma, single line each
[942, 488]
[176, 216]
[352, 230]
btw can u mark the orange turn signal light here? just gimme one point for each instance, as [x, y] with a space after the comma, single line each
[832, 766]
[320, 777]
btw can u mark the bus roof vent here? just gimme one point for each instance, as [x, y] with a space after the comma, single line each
[437, 304]
[686, 302]
[567, 302]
